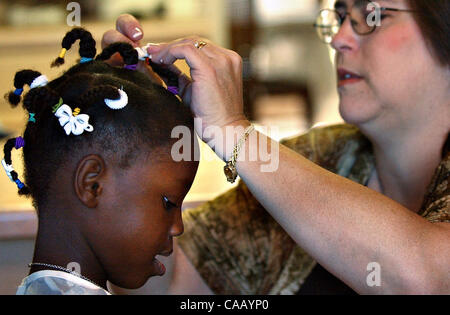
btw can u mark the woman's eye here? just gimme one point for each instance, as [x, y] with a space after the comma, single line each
[168, 205]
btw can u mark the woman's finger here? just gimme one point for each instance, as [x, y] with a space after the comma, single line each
[167, 54]
[130, 27]
[113, 36]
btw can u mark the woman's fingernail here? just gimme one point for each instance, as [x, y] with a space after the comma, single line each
[137, 32]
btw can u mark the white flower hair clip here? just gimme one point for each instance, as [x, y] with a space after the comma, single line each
[119, 103]
[72, 122]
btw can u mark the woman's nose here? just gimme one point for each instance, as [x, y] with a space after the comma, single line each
[177, 228]
[346, 38]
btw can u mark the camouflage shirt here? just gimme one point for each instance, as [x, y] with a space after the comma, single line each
[238, 248]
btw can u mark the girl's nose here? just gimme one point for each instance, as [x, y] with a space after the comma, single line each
[177, 228]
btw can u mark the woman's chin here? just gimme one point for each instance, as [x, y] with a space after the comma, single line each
[356, 113]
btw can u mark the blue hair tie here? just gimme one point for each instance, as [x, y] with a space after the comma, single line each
[20, 185]
[85, 59]
[18, 92]
[32, 119]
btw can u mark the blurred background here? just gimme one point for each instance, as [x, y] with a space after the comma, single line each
[289, 79]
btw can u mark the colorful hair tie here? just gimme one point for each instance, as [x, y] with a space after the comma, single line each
[20, 143]
[131, 67]
[119, 103]
[142, 52]
[40, 81]
[62, 54]
[32, 117]
[85, 59]
[173, 90]
[19, 184]
[8, 169]
[18, 92]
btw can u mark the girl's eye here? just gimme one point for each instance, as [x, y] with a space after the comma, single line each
[168, 205]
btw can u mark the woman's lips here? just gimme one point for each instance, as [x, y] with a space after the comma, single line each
[347, 77]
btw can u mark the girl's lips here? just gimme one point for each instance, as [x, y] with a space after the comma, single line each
[159, 267]
[347, 77]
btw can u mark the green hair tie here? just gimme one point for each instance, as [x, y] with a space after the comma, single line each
[57, 106]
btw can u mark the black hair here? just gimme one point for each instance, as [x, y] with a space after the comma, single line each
[145, 124]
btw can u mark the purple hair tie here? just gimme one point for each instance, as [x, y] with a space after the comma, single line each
[20, 143]
[173, 89]
[131, 67]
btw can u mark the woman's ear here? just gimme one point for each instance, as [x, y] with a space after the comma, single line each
[89, 180]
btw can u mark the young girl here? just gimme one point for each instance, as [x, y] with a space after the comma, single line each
[98, 166]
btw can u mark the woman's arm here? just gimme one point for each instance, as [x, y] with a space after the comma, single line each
[346, 226]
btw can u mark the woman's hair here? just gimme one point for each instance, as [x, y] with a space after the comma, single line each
[144, 125]
[433, 18]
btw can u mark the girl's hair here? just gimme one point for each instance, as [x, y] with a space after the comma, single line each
[433, 18]
[145, 124]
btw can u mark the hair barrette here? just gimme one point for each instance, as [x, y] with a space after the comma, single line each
[73, 124]
[120, 103]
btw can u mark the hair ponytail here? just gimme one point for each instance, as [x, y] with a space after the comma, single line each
[11, 144]
[87, 45]
[129, 54]
[22, 78]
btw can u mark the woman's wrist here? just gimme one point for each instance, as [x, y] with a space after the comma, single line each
[223, 140]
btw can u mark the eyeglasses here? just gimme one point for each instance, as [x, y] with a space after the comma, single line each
[363, 19]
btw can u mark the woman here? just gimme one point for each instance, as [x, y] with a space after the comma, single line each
[394, 86]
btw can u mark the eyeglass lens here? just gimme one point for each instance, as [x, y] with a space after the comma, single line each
[329, 22]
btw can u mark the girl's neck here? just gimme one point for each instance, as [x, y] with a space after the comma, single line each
[59, 242]
[405, 164]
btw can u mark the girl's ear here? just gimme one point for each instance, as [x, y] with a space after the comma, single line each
[90, 179]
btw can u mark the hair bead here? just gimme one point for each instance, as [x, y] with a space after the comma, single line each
[62, 54]
[173, 90]
[85, 59]
[32, 118]
[131, 67]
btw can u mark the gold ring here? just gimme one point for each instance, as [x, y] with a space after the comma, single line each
[200, 44]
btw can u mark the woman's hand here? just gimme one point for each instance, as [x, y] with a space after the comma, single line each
[215, 91]
[128, 30]
[214, 88]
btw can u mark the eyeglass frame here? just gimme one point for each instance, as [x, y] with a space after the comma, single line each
[347, 13]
